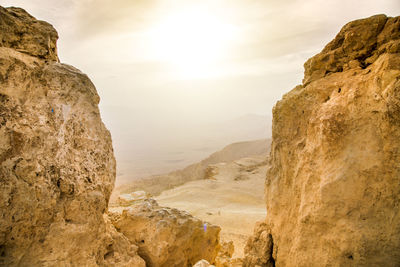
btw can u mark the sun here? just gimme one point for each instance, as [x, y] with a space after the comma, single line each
[192, 41]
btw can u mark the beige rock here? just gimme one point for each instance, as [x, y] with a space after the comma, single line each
[167, 237]
[203, 263]
[22, 32]
[357, 41]
[57, 167]
[224, 257]
[134, 197]
[259, 247]
[333, 189]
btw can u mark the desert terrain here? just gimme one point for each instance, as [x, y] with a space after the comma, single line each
[227, 185]
[234, 190]
[155, 184]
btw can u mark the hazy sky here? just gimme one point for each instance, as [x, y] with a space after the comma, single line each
[257, 49]
[167, 66]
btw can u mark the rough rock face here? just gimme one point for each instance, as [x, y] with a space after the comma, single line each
[259, 247]
[224, 257]
[57, 167]
[333, 191]
[22, 32]
[203, 263]
[167, 237]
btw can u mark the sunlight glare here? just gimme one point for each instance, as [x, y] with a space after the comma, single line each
[192, 41]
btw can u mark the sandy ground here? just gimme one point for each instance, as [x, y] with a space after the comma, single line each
[232, 198]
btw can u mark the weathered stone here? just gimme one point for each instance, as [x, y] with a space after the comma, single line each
[57, 167]
[132, 198]
[203, 263]
[22, 32]
[259, 247]
[361, 41]
[224, 257]
[333, 190]
[167, 237]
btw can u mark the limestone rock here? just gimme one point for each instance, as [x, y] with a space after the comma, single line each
[259, 247]
[57, 167]
[333, 190]
[224, 257]
[134, 197]
[22, 32]
[167, 237]
[203, 263]
[357, 45]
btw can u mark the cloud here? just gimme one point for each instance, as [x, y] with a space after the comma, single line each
[107, 17]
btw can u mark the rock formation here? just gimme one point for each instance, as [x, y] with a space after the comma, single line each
[224, 257]
[259, 247]
[333, 190]
[203, 263]
[23, 33]
[167, 237]
[126, 200]
[57, 167]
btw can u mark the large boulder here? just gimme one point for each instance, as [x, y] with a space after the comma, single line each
[333, 189]
[57, 167]
[167, 237]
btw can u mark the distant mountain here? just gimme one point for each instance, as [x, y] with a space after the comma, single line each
[157, 183]
[227, 154]
[146, 145]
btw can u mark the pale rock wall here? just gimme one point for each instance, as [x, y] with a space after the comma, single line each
[333, 189]
[57, 167]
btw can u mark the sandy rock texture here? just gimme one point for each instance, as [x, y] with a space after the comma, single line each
[23, 33]
[224, 257]
[203, 263]
[57, 167]
[333, 189]
[167, 237]
[259, 248]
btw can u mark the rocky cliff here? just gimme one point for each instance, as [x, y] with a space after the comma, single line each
[57, 167]
[333, 189]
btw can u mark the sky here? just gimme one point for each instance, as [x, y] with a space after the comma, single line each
[174, 67]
